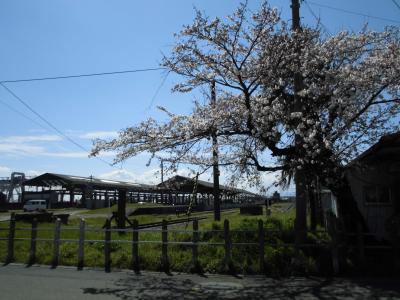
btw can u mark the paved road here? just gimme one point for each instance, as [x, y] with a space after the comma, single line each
[39, 282]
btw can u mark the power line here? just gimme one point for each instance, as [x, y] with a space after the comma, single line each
[58, 131]
[395, 3]
[83, 75]
[317, 18]
[158, 90]
[22, 114]
[353, 12]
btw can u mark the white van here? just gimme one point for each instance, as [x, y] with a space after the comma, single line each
[32, 205]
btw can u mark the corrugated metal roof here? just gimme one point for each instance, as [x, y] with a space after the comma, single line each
[185, 184]
[52, 179]
[177, 183]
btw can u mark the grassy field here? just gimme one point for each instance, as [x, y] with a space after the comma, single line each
[278, 256]
[109, 210]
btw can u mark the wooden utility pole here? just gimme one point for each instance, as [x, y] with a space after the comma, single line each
[162, 171]
[217, 204]
[300, 179]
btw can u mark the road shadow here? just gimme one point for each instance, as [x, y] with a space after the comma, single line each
[191, 287]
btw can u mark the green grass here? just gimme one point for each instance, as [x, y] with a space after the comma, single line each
[278, 257]
[108, 210]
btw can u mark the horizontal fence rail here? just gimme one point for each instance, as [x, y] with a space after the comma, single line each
[333, 245]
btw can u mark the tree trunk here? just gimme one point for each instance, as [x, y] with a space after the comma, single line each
[313, 209]
[349, 214]
[301, 207]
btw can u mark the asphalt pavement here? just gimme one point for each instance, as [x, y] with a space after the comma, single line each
[41, 282]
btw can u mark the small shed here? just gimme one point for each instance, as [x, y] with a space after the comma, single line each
[374, 179]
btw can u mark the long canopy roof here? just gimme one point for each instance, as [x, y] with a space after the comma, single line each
[69, 181]
[177, 183]
[186, 184]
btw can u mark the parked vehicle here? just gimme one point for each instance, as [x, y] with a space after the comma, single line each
[35, 205]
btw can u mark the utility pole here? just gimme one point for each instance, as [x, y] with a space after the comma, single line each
[300, 179]
[162, 171]
[217, 204]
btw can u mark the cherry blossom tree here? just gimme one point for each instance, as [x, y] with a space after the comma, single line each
[350, 98]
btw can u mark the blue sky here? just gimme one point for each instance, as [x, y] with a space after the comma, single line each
[54, 37]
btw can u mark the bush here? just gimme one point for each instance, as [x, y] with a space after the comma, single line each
[286, 261]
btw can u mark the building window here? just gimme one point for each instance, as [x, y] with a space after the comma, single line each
[376, 194]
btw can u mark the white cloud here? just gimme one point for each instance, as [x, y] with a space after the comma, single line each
[147, 177]
[75, 154]
[4, 171]
[78, 154]
[31, 138]
[190, 173]
[20, 149]
[99, 135]
[33, 150]
[269, 179]
[26, 145]
[120, 175]
[32, 173]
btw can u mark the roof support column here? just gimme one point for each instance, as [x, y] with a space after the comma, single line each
[121, 208]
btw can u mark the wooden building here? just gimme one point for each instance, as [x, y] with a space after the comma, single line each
[374, 179]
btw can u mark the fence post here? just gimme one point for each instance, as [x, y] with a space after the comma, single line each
[360, 244]
[135, 246]
[81, 244]
[107, 246]
[195, 247]
[261, 240]
[11, 236]
[335, 252]
[32, 251]
[332, 229]
[56, 243]
[164, 254]
[228, 247]
[396, 249]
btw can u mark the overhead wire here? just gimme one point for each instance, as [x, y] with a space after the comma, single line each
[22, 114]
[83, 75]
[353, 12]
[58, 131]
[317, 18]
[53, 127]
[395, 3]
[157, 91]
